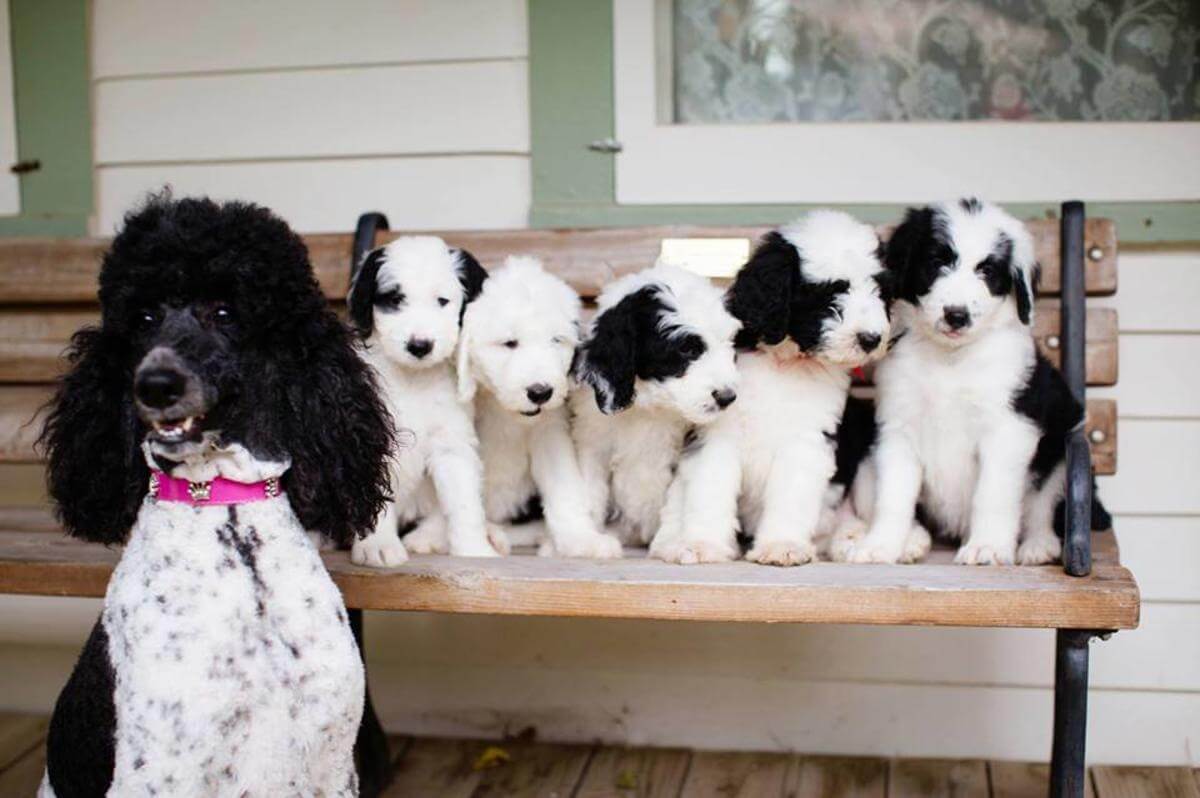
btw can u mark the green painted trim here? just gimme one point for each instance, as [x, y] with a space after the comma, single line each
[54, 120]
[571, 99]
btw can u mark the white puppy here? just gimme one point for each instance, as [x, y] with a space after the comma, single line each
[659, 359]
[407, 301]
[518, 340]
[972, 421]
[812, 301]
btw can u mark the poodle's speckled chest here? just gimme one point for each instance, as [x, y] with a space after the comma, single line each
[235, 668]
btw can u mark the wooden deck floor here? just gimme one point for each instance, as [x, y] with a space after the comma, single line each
[435, 768]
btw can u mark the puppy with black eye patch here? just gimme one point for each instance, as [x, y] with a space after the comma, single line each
[407, 301]
[514, 359]
[813, 303]
[216, 413]
[659, 362]
[972, 421]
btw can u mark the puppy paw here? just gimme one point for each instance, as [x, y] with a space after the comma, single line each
[427, 539]
[378, 551]
[985, 554]
[691, 552]
[916, 545]
[1039, 549]
[845, 539]
[499, 539]
[592, 545]
[782, 552]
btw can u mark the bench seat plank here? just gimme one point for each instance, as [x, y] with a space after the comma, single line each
[935, 592]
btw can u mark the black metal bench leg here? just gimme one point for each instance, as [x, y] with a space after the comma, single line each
[372, 758]
[1068, 770]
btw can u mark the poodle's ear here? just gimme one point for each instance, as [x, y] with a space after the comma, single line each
[362, 292]
[339, 438]
[607, 360]
[96, 473]
[471, 275]
[761, 294]
[466, 377]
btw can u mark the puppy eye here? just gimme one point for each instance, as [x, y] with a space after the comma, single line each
[558, 340]
[511, 343]
[984, 268]
[443, 301]
[390, 299]
[692, 348]
[223, 314]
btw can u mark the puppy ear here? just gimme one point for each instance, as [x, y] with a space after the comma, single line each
[96, 473]
[471, 275]
[466, 379]
[909, 239]
[362, 292]
[607, 360]
[761, 294]
[1025, 287]
[337, 431]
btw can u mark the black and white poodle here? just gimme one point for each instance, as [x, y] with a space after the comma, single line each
[216, 413]
[813, 301]
[972, 421]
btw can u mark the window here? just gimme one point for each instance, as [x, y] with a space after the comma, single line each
[886, 101]
[916, 60]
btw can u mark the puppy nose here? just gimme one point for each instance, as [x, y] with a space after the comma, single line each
[868, 341]
[419, 347]
[956, 316]
[724, 397]
[539, 393]
[159, 388]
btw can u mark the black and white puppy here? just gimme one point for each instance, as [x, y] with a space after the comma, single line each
[223, 662]
[813, 302]
[407, 301]
[972, 420]
[659, 361]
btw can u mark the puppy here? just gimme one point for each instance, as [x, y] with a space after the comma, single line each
[972, 420]
[518, 339]
[813, 303]
[206, 423]
[659, 360]
[407, 301]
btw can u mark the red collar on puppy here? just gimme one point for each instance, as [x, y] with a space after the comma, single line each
[220, 490]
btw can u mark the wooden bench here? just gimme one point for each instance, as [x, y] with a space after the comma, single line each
[47, 290]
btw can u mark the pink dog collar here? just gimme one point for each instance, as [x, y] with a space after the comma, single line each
[166, 488]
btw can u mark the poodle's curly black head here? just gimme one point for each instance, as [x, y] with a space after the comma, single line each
[214, 333]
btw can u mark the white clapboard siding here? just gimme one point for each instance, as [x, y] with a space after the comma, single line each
[394, 110]
[328, 195]
[1163, 552]
[1157, 379]
[152, 37]
[1157, 464]
[1157, 291]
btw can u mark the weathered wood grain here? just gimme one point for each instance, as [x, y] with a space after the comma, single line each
[932, 593]
[635, 773]
[938, 778]
[1024, 780]
[20, 733]
[35, 270]
[454, 769]
[1139, 782]
[738, 774]
[840, 777]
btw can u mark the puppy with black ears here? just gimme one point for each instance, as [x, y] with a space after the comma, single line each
[659, 360]
[514, 359]
[813, 303]
[972, 420]
[407, 301]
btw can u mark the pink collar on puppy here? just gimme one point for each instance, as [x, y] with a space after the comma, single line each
[220, 490]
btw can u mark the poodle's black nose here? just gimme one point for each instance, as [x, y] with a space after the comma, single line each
[724, 397]
[159, 388]
[539, 393]
[956, 316]
[419, 347]
[868, 341]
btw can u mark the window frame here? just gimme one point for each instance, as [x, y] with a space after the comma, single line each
[877, 162]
